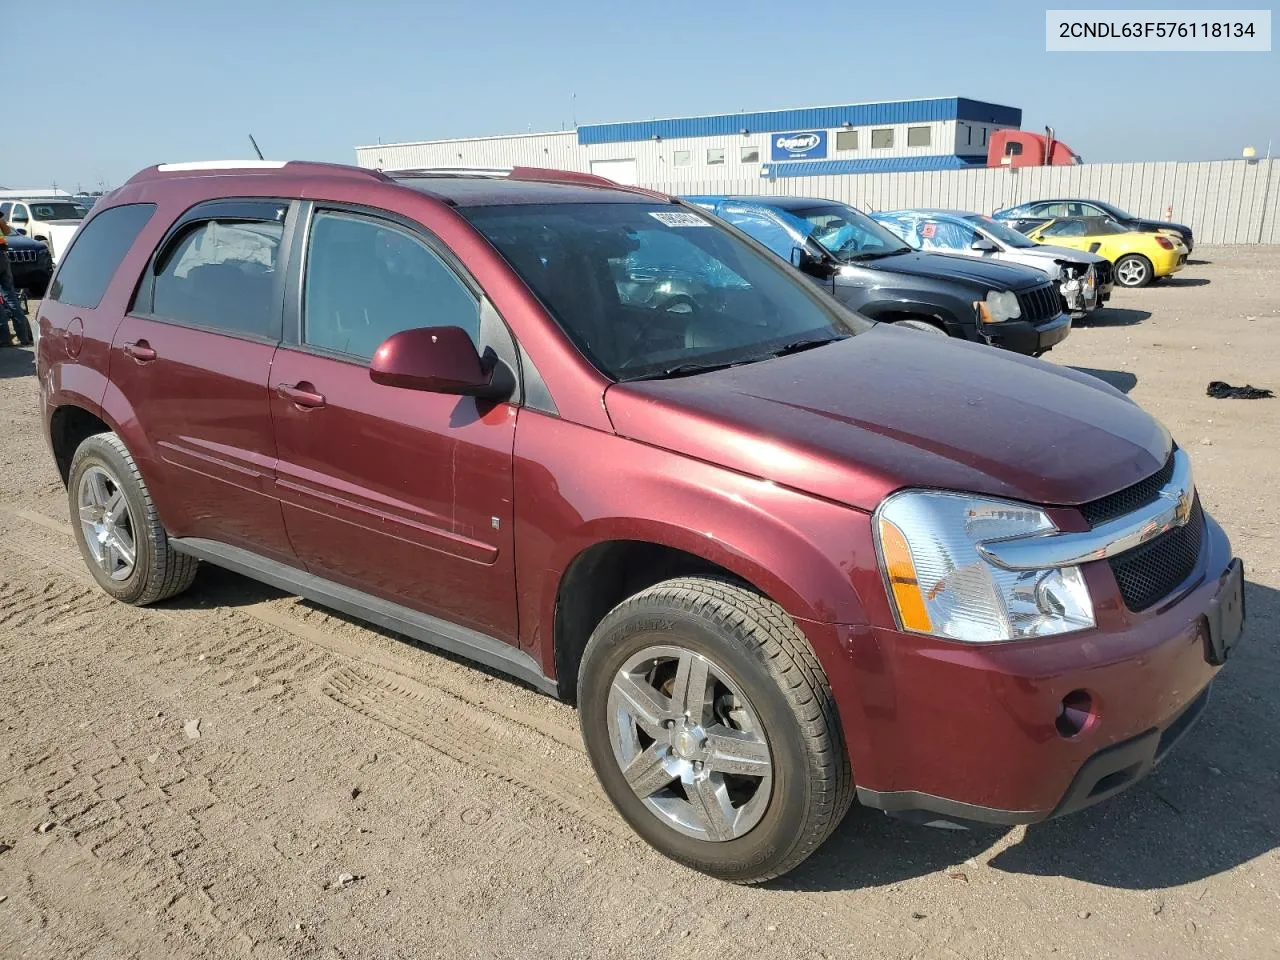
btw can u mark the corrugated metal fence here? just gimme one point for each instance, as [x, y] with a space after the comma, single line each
[1223, 201]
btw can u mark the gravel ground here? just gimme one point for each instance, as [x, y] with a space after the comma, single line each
[239, 774]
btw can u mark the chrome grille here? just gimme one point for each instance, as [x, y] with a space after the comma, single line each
[23, 256]
[1149, 573]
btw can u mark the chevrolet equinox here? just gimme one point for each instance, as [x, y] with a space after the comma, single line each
[781, 556]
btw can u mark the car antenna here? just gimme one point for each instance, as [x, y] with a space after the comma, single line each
[255, 147]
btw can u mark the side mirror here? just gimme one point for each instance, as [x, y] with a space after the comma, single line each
[19, 218]
[810, 263]
[983, 245]
[439, 360]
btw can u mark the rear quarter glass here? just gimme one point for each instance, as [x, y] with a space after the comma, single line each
[96, 254]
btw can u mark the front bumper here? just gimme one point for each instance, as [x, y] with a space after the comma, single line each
[1022, 336]
[959, 734]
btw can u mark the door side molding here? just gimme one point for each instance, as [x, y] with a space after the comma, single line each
[442, 634]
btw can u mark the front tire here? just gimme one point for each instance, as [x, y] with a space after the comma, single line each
[117, 529]
[713, 730]
[924, 326]
[1134, 270]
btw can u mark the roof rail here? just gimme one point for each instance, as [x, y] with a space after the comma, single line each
[528, 174]
[493, 172]
[163, 170]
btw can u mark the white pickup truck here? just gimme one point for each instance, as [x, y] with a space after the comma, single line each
[51, 220]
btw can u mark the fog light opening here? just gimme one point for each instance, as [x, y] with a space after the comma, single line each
[1074, 713]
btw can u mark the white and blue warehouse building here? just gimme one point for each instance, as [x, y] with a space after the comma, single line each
[946, 133]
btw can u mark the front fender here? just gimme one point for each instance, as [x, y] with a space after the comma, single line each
[955, 317]
[577, 487]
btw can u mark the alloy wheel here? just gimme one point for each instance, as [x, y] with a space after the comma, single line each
[107, 523]
[1131, 272]
[689, 744]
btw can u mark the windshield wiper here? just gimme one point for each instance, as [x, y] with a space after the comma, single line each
[796, 346]
[876, 254]
[689, 369]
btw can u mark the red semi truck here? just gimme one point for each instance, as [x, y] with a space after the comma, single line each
[1022, 148]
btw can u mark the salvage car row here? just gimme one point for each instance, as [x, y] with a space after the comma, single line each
[1015, 290]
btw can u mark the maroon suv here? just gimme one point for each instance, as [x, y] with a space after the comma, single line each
[778, 554]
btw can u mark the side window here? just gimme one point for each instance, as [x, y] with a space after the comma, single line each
[96, 254]
[1065, 228]
[944, 235]
[1053, 210]
[20, 214]
[367, 280]
[5, 208]
[221, 274]
[1089, 210]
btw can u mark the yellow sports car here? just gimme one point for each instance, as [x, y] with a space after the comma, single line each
[1139, 256]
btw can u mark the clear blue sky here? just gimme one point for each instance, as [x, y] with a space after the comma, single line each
[123, 84]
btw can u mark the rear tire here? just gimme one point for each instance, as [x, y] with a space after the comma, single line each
[740, 773]
[1133, 270]
[117, 529]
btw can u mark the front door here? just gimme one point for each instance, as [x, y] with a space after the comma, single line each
[193, 357]
[400, 493]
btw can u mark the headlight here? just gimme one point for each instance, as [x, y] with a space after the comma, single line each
[941, 585]
[999, 306]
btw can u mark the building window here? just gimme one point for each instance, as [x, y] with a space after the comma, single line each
[750, 154]
[882, 139]
[715, 155]
[846, 139]
[918, 136]
[682, 158]
[984, 136]
[968, 135]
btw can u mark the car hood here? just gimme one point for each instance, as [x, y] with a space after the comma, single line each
[985, 274]
[1061, 253]
[16, 241]
[890, 408]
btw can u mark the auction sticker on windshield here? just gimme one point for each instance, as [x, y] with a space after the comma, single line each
[678, 219]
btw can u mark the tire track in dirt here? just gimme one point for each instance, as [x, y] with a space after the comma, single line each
[539, 758]
[451, 727]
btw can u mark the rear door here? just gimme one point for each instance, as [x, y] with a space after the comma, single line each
[193, 358]
[399, 493]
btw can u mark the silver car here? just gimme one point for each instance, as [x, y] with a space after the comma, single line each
[1084, 279]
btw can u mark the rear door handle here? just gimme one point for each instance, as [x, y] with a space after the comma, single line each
[302, 394]
[140, 351]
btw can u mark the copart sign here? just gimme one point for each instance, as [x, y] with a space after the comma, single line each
[800, 145]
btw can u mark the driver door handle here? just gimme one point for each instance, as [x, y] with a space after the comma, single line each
[140, 350]
[300, 394]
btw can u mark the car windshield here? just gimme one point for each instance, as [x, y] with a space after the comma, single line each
[61, 210]
[1002, 232]
[848, 234]
[650, 289]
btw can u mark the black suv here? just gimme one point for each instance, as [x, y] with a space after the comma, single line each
[868, 268]
[31, 264]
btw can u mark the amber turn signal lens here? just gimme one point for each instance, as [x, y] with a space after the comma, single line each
[902, 579]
